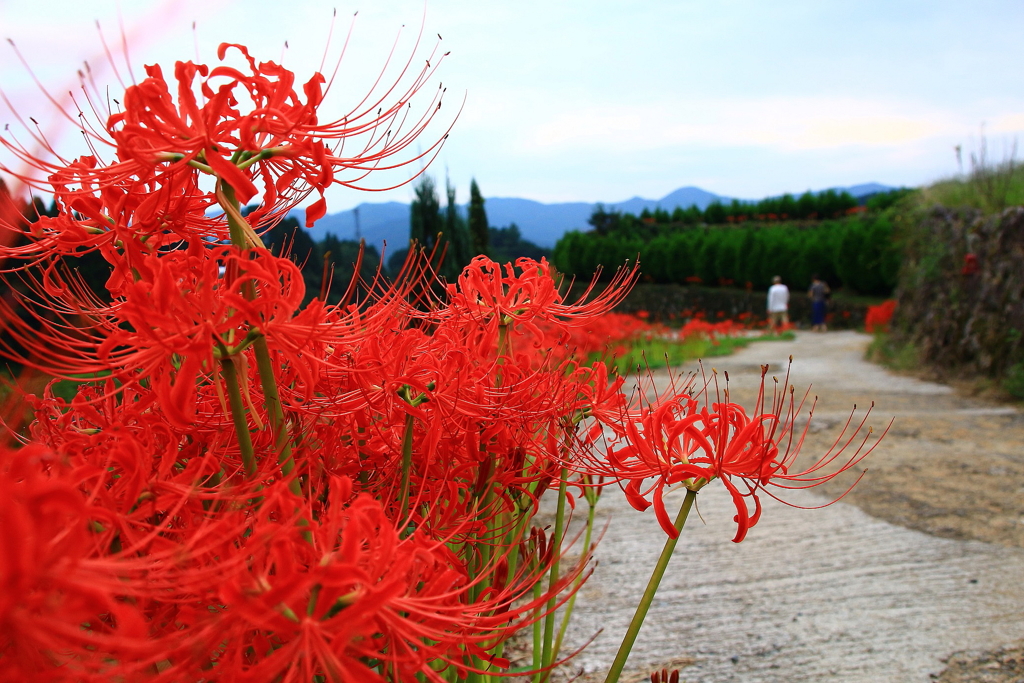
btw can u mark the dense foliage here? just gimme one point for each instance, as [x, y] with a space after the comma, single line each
[858, 251]
[507, 244]
[808, 206]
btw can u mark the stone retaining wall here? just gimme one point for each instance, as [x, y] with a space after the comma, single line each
[961, 291]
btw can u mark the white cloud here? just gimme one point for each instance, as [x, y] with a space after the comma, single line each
[785, 124]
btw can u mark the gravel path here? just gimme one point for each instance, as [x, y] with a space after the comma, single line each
[834, 594]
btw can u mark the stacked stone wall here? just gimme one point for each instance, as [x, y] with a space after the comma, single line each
[961, 290]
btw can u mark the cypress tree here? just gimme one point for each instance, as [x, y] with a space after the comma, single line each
[478, 227]
[425, 215]
[457, 233]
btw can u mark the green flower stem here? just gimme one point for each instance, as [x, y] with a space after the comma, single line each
[227, 366]
[538, 631]
[236, 223]
[502, 350]
[268, 381]
[272, 398]
[556, 544]
[579, 580]
[406, 464]
[648, 598]
[486, 558]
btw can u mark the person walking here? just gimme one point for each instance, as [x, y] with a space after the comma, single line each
[818, 294]
[778, 304]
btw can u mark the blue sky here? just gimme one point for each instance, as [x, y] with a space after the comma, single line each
[601, 101]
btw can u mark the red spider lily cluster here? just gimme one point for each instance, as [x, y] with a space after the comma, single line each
[878, 317]
[247, 488]
[701, 328]
[611, 334]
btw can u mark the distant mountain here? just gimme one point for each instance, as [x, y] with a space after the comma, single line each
[378, 223]
[684, 197]
[865, 189]
[539, 223]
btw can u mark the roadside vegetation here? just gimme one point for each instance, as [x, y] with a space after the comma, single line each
[989, 187]
[960, 290]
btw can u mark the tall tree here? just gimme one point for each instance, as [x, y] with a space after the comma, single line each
[478, 227]
[425, 217]
[433, 232]
[604, 222]
[459, 239]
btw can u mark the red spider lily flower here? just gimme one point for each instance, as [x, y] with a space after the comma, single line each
[488, 292]
[681, 442]
[357, 593]
[878, 317]
[247, 126]
[971, 265]
[467, 426]
[60, 620]
[177, 312]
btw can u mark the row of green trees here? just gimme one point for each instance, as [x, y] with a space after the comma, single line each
[827, 204]
[787, 208]
[857, 252]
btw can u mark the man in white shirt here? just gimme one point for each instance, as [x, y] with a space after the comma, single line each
[778, 304]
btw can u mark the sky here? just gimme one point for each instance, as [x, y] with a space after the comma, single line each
[593, 100]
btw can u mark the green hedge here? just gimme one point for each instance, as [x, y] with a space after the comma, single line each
[858, 253]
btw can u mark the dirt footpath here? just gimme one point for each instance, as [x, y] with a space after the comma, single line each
[915, 576]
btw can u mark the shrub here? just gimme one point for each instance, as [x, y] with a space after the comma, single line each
[1014, 380]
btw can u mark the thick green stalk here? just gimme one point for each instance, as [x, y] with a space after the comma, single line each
[486, 555]
[272, 398]
[556, 543]
[231, 212]
[406, 464]
[502, 349]
[576, 584]
[538, 632]
[648, 597]
[268, 381]
[487, 548]
[230, 374]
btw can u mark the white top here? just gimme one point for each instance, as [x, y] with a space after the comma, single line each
[778, 298]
